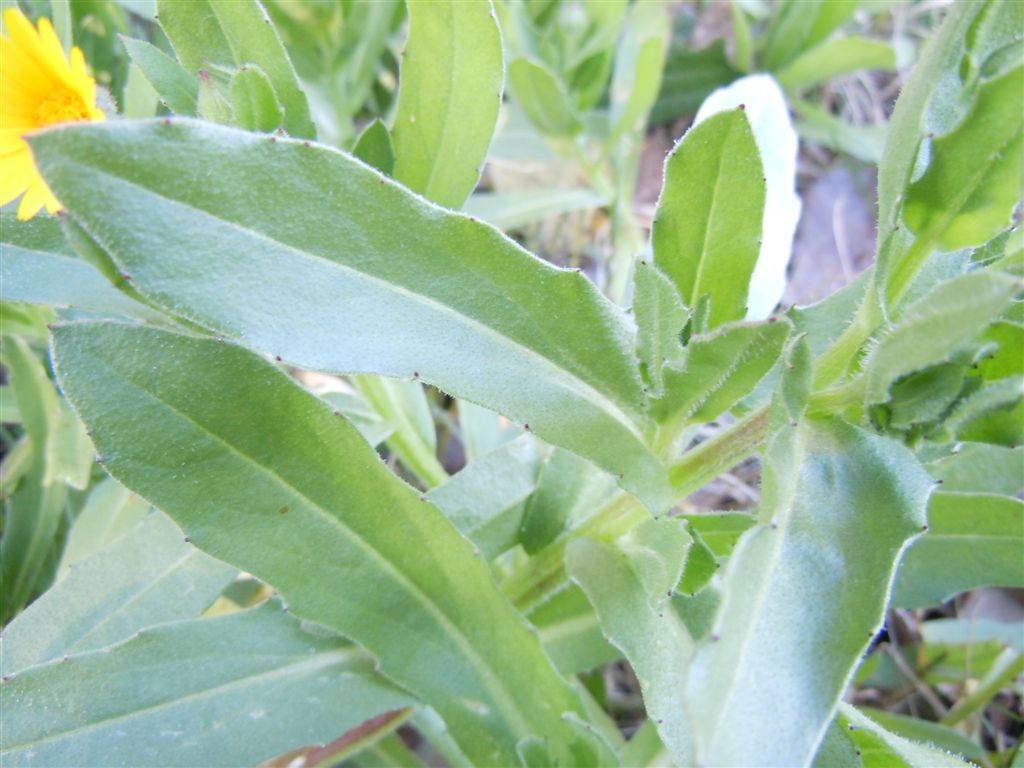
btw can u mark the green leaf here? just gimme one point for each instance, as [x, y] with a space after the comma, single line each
[571, 634]
[563, 483]
[689, 76]
[981, 468]
[799, 25]
[570, 374]
[403, 404]
[354, 407]
[178, 90]
[639, 62]
[516, 208]
[935, 100]
[719, 369]
[542, 97]
[448, 98]
[796, 380]
[973, 540]
[992, 414]
[149, 576]
[660, 317]
[655, 641]
[935, 328]
[935, 735]
[374, 147]
[235, 454]
[36, 266]
[254, 105]
[486, 500]
[110, 511]
[35, 512]
[880, 747]
[708, 222]
[972, 183]
[833, 58]
[862, 142]
[227, 691]
[55, 280]
[838, 505]
[205, 32]
[837, 749]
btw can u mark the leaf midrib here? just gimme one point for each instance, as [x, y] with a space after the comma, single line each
[492, 682]
[565, 379]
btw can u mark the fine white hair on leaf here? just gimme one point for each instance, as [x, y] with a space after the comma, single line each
[777, 143]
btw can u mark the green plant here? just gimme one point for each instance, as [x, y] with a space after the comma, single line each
[200, 268]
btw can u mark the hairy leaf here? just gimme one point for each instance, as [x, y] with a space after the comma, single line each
[227, 691]
[707, 228]
[468, 310]
[404, 584]
[655, 641]
[149, 576]
[973, 540]
[838, 506]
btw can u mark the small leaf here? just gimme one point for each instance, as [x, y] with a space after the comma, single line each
[971, 186]
[177, 89]
[881, 747]
[655, 642]
[707, 227]
[992, 414]
[719, 369]
[205, 33]
[486, 500]
[254, 105]
[639, 62]
[973, 540]
[765, 106]
[660, 318]
[836, 57]
[542, 97]
[110, 511]
[936, 327]
[571, 633]
[980, 468]
[448, 97]
[374, 147]
[565, 480]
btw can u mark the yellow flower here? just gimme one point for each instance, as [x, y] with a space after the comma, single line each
[38, 88]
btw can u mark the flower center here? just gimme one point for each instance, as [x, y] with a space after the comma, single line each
[62, 106]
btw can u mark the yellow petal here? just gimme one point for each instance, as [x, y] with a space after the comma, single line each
[34, 199]
[17, 172]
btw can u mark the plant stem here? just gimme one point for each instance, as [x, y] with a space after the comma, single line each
[418, 457]
[1008, 665]
[544, 575]
[702, 464]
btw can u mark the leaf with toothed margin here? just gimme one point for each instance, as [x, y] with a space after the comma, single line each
[707, 228]
[344, 542]
[629, 589]
[331, 266]
[839, 505]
